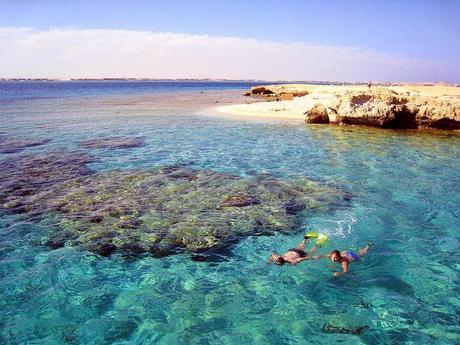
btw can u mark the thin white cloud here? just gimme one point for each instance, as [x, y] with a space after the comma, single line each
[84, 53]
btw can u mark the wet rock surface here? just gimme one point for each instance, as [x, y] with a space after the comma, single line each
[113, 143]
[8, 145]
[160, 211]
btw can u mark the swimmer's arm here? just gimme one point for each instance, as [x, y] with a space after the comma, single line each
[316, 257]
[344, 269]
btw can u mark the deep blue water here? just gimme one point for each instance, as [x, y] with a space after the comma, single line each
[70, 89]
[405, 188]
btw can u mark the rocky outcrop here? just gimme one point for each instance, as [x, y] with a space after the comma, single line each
[378, 109]
[317, 114]
[160, 211]
[370, 106]
[260, 90]
[388, 109]
[271, 93]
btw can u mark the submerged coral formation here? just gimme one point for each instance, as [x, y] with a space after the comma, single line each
[159, 210]
[112, 143]
[328, 328]
[8, 145]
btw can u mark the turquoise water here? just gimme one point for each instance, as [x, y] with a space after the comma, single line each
[405, 197]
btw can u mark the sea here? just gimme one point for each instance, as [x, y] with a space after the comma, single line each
[404, 189]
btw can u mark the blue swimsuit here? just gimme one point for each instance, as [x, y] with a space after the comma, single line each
[351, 255]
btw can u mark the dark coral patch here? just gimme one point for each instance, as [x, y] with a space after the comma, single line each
[328, 328]
[113, 143]
[239, 200]
[17, 145]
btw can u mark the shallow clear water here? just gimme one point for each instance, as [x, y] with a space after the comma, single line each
[405, 188]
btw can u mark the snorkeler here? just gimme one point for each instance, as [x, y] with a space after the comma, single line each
[344, 258]
[294, 255]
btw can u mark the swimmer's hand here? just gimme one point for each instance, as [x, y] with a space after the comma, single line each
[336, 274]
[272, 258]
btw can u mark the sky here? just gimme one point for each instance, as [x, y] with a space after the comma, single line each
[392, 40]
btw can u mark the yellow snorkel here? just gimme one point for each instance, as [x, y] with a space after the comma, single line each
[321, 239]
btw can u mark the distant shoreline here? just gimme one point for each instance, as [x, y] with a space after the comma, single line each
[210, 80]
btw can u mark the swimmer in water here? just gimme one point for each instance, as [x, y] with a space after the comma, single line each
[294, 255]
[344, 258]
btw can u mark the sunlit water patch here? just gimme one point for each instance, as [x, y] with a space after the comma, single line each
[404, 196]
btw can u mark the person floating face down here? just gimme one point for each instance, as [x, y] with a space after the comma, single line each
[344, 258]
[294, 255]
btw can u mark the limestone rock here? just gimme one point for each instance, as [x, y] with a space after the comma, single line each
[382, 108]
[318, 114]
[378, 106]
[388, 109]
[260, 90]
[286, 97]
[269, 93]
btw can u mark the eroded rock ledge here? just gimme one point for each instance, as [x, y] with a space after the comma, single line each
[385, 107]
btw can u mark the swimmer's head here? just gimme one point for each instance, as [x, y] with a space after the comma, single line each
[335, 255]
[280, 260]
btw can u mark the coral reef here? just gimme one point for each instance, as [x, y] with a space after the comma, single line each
[159, 211]
[113, 143]
[328, 328]
[8, 145]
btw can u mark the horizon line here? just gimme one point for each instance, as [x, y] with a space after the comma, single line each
[46, 79]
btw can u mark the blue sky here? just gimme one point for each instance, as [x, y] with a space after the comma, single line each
[411, 29]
